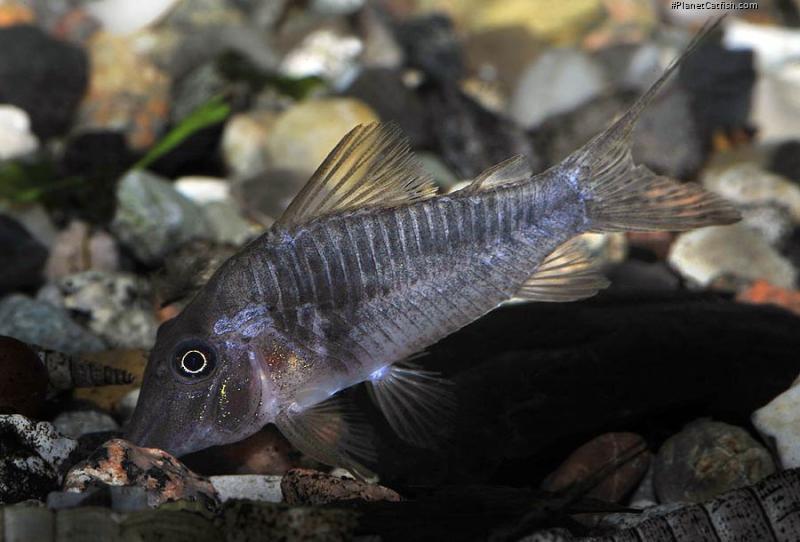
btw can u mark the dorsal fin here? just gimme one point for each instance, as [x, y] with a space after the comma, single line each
[516, 168]
[371, 166]
[569, 273]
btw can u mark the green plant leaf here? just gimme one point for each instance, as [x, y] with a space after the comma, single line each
[212, 112]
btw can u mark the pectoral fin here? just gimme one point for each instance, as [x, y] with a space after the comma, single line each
[332, 433]
[416, 403]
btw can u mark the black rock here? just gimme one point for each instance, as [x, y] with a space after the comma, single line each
[383, 90]
[786, 160]
[471, 138]
[44, 76]
[23, 256]
[431, 45]
[720, 83]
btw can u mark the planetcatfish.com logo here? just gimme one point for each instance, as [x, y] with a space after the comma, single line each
[714, 5]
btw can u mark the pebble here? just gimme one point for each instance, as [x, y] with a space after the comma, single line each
[123, 17]
[77, 248]
[23, 256]
[748, 184]
[152, 218]
[251, 520]
[23, 379]
[127, 92]
[431, 45]
[77, 423]
[41, 323]
[762, 292]
[34, 218]
[266, 196]
[707, 458]
[224, 220]
[165, 479]
[772, 221]
[248, 486]
[244, 143]
[602, 453]
[775, 108]
[785, 160]
[324, 53]
[310, 488]
[778, 422]
[558, 81]
[736, 250]
[43, 76]
[306, 133]
[115, 306]
[16, 138]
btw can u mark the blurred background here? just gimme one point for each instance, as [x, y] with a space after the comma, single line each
[143, 142]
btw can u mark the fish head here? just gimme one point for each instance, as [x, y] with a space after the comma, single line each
[201, 388]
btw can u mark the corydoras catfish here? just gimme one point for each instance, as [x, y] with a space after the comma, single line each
[368, 266]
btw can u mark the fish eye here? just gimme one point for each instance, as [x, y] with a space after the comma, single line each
[194, 359]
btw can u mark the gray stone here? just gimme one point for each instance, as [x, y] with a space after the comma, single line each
[708, 458]
[80, 422]
[558, 81]
[779, 423]
[16, 138]
[39, 322]
[256, 487]
[244, 143]
[115, 306]
[736, 250]
[153, 218]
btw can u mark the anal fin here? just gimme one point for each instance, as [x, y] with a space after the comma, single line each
[417, 403]
[568, 274]
[332, 433]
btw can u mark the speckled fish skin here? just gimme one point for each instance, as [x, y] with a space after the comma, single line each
[329, 299]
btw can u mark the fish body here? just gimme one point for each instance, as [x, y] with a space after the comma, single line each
[368, 267]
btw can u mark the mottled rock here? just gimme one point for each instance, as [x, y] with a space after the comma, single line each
[748, 184]
[558, 81]
[612, 451]
[16, 139]
[23, 379]
[255, 487]
[126, 92]
[39, 322]
[708, 458]
[708, 253]
[304, 135]
[23, 256]
[773, 222]
[165, 479]
[778, 422]
[43, 76]
[115, 306]
[31, 455]
[77, 248]
[77, 423]
[310, 487]
[153, 218]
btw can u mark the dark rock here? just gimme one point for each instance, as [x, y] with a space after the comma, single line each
[708, 458]
[384, 91]
[430, 44]
[45, 77]
[248, 520]
[23, 256]
[88, 443]
[76, 423]
[23, 379]
[623, 456]
[643, 276]
[165, 479]
[311, 487]
[720, 82]
[469, 137]
[667, 137]
[785, 160]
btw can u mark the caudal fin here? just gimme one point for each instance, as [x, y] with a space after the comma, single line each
[621, 195]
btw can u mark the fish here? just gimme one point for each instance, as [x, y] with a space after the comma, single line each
[369, 266]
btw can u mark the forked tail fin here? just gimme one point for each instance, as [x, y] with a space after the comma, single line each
[621, 195]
